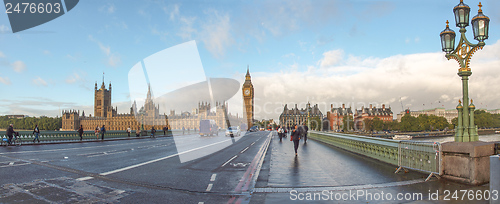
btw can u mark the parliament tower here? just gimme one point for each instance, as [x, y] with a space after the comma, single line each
[248, 95]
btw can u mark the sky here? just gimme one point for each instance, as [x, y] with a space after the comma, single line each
[353, 52]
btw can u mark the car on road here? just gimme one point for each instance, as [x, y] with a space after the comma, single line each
[254, 129]
[235, 130]
[208, 127]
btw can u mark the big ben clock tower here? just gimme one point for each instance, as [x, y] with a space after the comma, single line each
[248, 94]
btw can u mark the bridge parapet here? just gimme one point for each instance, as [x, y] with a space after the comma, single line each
[420, 156]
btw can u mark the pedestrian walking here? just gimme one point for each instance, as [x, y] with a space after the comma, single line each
[183, 129]
[36, 132]
[80, 132]
[295, 137]
[138, 131]
[164, 130]
[304, 130]
[103, 130]
[128, 131]
[10, 133]
[280, 133]
[305, 134]
[153, 130]
[96, 132]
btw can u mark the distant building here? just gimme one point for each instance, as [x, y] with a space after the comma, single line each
[290, 117]
[383, 113]
[148, 115]
[336, 116]
[441, 112]
[192, 120]
[105, 114]
[15, 116]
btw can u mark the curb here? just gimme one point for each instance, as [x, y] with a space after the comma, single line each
[96, 140]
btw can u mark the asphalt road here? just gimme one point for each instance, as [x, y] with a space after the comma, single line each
[179, 169]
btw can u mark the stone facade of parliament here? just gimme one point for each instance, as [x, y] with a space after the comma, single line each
[105, 114]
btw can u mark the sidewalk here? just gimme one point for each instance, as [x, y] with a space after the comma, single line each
[320, 167]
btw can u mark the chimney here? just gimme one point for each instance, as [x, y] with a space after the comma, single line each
[383, 106]
[331, 105]
[370, 106]
[343, 106]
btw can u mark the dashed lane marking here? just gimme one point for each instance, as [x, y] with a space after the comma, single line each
[234, 157]
[209, 187]
[213, 177]
[244, 150]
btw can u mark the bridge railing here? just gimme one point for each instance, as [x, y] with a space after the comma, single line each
[420, 156]
[64, 136]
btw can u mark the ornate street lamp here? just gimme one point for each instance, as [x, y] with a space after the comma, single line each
[466, 130]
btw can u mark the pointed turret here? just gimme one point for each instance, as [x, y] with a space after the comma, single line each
[247, 76]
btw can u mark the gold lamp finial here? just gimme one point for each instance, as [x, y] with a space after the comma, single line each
[459, 101]
[447, 26]
[480, 10]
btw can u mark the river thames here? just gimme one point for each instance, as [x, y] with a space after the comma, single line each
[484, 138]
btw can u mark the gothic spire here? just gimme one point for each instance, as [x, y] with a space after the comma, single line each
[148, 98]
[247, 76]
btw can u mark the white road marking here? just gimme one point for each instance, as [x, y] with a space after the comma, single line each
[64, 149]
[11, 163]
[85, 178]
[244, 150]
[159, 159]
[213, 177]
[209, 187]
[252, 143]
[229, 160]
[201, 203]
[14, 165]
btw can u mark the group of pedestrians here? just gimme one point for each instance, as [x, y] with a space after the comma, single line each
[97, 131]
[296, 134]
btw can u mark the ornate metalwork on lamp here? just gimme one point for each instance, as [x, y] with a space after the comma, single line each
[466, 130]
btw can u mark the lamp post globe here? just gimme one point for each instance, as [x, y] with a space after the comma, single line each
[480, 25]
[466, 130]
[461, 12]
[447, 39]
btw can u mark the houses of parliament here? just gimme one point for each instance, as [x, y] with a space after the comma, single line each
[149, 115]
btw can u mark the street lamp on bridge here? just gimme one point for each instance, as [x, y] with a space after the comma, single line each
[466, 131]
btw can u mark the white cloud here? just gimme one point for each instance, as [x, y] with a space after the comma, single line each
[113, 59]
[174, 12]
[109, 8]
[39, 81]
[18, 66]
[187, 30]
[73, 78]
[5, 80]
[415, 79]
[331, 58]
[4, 29]
[2, 55]
[46, 52]
[216, 34]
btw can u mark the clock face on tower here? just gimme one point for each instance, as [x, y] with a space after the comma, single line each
[247, 92]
